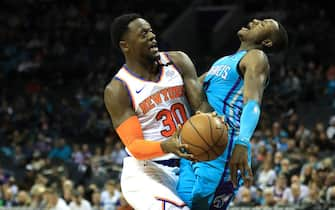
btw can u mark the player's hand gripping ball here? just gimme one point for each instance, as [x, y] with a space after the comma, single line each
[206, 135]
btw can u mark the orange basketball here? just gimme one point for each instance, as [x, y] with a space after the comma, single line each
[206, 136]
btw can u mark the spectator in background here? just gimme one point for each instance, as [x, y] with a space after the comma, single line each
[37, 193]
[23, 199]
[313, 197]
[110, 197]
[247, 184]
[54, 202]
[331, 83]
[67, 189]
[269, 199]
[331, 128]
[61, 150]
[77, 154]
[78, 202]
[118, 154]
[96, 201]
[306, 173]
[285, 167]
[267, 175]
[8, 198]
[279, 188]
[246, 199]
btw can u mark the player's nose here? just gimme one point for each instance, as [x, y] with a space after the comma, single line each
[151, 36]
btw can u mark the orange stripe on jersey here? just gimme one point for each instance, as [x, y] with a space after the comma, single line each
[170, 201]
[131, 134]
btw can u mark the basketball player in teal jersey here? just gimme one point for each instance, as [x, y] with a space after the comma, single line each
[234, 87]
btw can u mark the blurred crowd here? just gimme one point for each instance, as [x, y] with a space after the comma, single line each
[57, 146]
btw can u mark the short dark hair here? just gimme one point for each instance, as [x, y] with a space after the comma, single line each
[120, 26]
[280, 41]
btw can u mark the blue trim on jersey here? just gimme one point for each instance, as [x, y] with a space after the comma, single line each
[170, 60]
[231, 142]
[228, 95]
[141, 78]
[126, 86]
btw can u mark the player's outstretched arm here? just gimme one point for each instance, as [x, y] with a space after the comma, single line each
[193, 87]
[255, 67]
[128, 127]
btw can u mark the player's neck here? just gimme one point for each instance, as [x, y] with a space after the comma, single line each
[146, 70]
[248, 46]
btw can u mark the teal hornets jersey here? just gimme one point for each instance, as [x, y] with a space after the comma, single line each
[223, 86]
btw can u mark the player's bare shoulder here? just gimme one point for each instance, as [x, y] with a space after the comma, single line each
[255, 59]
[183, 62]
[113, 89]
[117, 101]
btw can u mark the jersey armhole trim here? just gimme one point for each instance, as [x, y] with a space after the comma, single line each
[166, 54]
[131, 98]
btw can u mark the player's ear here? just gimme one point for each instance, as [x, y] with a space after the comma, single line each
[124, 46]
[267, 43]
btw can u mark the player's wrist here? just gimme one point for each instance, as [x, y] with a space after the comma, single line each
[164, 147]
[242, 142]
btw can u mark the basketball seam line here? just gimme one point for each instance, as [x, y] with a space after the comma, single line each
[211, 147]
[199, 133]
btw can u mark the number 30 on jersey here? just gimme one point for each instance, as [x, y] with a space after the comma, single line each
[172, 118]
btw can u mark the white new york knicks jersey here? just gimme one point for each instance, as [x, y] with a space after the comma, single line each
[160, 106]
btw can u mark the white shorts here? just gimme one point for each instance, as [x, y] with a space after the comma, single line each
[147, 185]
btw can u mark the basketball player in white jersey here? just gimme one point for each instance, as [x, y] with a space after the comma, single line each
[147, 99]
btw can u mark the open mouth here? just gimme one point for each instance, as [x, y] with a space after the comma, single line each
[153, 47]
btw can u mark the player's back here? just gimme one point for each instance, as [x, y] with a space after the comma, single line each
[223, 85]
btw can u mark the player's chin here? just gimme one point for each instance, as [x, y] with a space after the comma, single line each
[155, 57]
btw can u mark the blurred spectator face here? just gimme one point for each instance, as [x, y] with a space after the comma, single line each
[85, 148]
[23, 198]
[278, 157]
[268, 197]
[51, 197]
[308, 170]
[319, 127]
[313, 193]
[96, 198]
[8, 195]
[67, 185]
[37, 191]
[247, 182]
[276, 128]
[295, 188]
[77, 198]
[290, 144]
[281, 181]
[246, 196]
[285, 164]
[332, 194]
[110, 186]
[81, 190]
[330, 180]
[295, 179]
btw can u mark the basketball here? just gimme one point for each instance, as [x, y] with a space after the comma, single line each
[206, 136]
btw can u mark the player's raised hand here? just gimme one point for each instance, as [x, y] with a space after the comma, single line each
[239, 162]
[173, 145]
